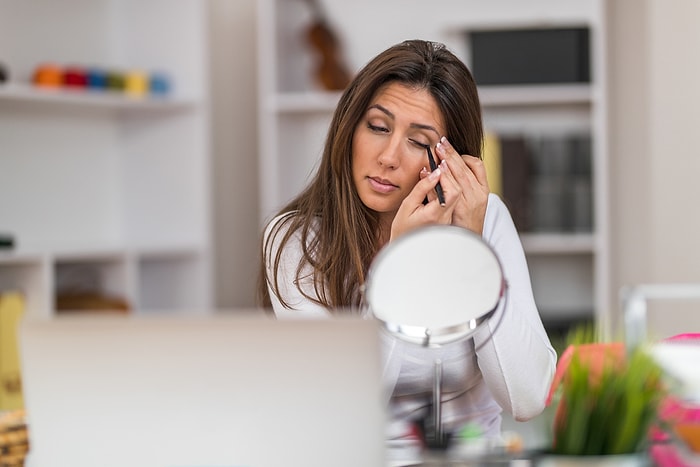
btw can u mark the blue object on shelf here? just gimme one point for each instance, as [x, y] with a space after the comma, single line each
[96, 78]
[159, 84]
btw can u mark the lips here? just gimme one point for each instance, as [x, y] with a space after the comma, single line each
[382, 185]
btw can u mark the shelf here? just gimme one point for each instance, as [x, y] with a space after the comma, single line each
[98, 253]
[97, 182]
[490, 96]
[561, 19]
[25, 93]
[13, 257]
[535, 95]
[558, 243]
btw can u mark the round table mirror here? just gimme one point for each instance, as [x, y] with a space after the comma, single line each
[434, 285]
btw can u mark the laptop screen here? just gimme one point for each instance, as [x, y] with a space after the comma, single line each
[225, 390]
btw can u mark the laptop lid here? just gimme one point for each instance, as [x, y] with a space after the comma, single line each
[231, 390]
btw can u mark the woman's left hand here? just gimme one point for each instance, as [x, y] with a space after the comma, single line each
[469, 173]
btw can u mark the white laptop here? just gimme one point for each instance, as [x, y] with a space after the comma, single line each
[231, 390]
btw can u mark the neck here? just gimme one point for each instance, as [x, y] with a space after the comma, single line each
[384, 234]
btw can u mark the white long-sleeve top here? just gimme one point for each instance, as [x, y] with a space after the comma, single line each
[508, 365]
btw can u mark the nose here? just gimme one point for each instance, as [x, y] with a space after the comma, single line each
[390, 156]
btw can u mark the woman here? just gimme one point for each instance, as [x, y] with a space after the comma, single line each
[371, 187]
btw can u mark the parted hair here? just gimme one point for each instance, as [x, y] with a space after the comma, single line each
[339, 234]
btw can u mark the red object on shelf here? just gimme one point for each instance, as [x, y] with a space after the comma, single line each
[75, 77]
[49, 76]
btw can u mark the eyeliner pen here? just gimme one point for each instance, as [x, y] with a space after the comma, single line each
[433, 166]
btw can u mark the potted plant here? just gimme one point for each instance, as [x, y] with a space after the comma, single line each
[605, 401]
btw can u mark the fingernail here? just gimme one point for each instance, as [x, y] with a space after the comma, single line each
[440, 149]
[443, 164]
[435, 174]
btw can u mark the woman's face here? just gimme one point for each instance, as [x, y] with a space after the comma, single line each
[386, 163]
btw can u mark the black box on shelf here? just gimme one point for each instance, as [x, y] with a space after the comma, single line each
[7, 241]
[530, 56]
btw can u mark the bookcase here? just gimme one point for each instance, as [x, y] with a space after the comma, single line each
[569, 268]
[102, 191]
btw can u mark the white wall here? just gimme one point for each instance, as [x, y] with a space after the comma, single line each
[234, 137]
[654, 76]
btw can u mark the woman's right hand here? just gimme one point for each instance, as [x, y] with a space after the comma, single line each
[470, 174]
[413, 213]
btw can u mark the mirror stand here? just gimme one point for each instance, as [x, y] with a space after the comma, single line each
[473, 288]
[435, 437]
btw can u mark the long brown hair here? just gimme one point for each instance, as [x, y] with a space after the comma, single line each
[339, 234]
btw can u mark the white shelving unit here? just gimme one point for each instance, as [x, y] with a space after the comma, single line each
[569, 270]
[96, 184]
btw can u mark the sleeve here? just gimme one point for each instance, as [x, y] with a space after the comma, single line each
[301, 306]
[514, 354]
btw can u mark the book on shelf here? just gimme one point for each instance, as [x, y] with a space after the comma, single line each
[547, 181]
[11, 312]
[516, 178]
[492, 162]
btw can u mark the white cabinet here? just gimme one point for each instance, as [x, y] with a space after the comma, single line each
[97, 187]
[569, 269]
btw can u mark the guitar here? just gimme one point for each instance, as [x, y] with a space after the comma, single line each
[330, 70]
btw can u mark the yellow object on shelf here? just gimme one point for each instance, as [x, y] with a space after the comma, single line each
[492, 162]
[11, 311]
[136, 84]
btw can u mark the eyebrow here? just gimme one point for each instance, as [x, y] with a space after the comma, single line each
[421, 126]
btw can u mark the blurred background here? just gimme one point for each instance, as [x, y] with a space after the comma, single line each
[145, 143]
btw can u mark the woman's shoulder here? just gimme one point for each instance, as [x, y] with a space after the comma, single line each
[280, 225]
[280, 222]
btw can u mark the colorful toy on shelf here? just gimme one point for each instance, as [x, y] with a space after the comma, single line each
[48, 76]
[74, 77]
[159, 84]
[135, 83]
[96, 79]
[115, 81]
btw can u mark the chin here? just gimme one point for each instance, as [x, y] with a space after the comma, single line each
[381, 203]
[381, 207]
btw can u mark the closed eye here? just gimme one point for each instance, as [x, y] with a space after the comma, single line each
[377, 129]
[419, 144]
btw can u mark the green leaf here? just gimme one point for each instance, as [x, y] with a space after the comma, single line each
[608, 410]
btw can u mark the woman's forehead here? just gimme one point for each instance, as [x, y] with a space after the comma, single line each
[400, 100]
